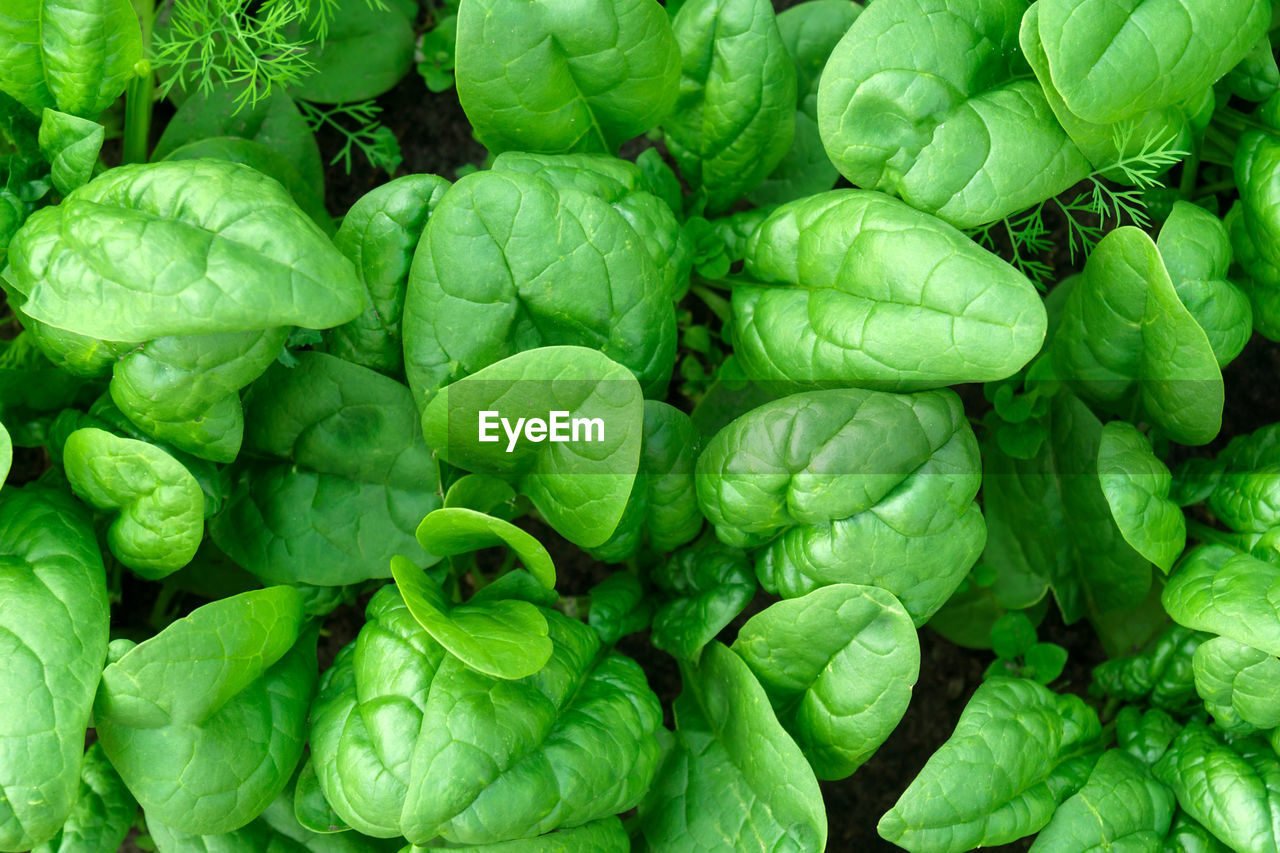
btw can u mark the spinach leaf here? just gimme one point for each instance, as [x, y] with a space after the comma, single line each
[53, 641]
[561, 76]
[335, 479]
[858, 289]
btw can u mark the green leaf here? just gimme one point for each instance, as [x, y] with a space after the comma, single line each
[580, 487]
[734, 118]
[1256, 77]
[103, 813]
[1012, 635]
[869, 488]
[1234, 791]
[860, 289]
[1239, 684]
[1145, 735]
[158, 504]
[219, 696]
[810, 32]
[730, 751]
[53, 639]
[1126, 340]
[1243, 484]
[379, 235]
[931, 100]
[6, 454]
[69, 55]
[1196, 249]
[338, 480]
[1017, 726]
[482, 493]
[1121, 807]
[478, 289]
[601, 836]
[255, 155]
[246, 257]
[71, 145]
[1110, 62]
[1108, 143]
[1236, 597]
[272, 120]
[1044, 662]
[708, 584]
[663, 507]
[562, 76]
[1137, 486]
[1161, 675]
[367, 50]
[618, 607]
[838, 665]
[568, 745]
[502, 639]
[456, 530]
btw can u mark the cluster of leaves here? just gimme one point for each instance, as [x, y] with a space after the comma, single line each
[263, 414]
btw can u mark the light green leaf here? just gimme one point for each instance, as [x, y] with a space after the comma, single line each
[860, 289]
[1017, 726]
[1112, 60]
[1196, 250]
[503, 639]
[730, 751]
[868, 488]
[71, 145]
[560, 76]
[205, 722]
[53, 640]
[1127, 340]
[1136, 485]
[1234, 791]
[580, 486]
[734, 118]
[103, 813]
[838, 665]
[1236, 597]
[1239, 684]
[457, 530]
[379, 235]
[158, 504]
[76, 56]
[1121, 807]
[367, 50]
[930, 100]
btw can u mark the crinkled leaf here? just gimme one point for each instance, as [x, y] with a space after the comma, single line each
[205, 722]
[930, 100]
[340, 479]
[158, 504]
[1126, 338]
[1015, 725]
[1121, 807]
[53, 640]
[707, 584]
[103, 813]
[76, 56]
[1238, 684]
[734, 118]
[71, 145]
[379, 235]
[1238, 597]
[557, 76]
[860, 289]
[864, 487]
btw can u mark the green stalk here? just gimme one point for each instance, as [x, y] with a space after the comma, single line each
[140, 96]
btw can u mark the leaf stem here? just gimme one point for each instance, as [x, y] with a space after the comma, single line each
[140, 96]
